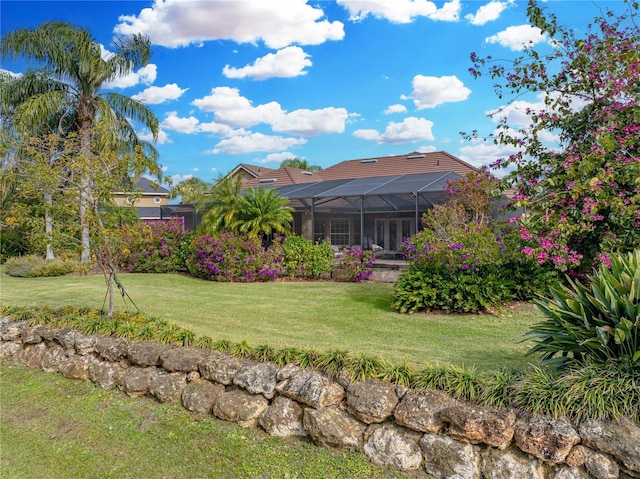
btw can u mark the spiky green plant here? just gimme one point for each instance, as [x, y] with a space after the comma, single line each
[263, 352]
[430, 377]
[399, 374]
[362, 367]
[499, 389]
[306, 358]
[538, 392]
[599, 319]
[241, 350]
[332, 362]
[285, 356]
[222, 345]
[204, 342]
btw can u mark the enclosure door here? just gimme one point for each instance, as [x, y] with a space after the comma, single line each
[391, 232]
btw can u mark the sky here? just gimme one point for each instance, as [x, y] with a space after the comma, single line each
[260, 81]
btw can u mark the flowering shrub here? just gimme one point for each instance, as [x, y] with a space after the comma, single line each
[152, 247]
[229, 257]
[354, 265]
[463, 266]
[303, 258]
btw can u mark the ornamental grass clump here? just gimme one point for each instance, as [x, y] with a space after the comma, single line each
[596, 320]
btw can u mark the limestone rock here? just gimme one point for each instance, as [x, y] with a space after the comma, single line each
[85, 344]
[257, 378]
[76, 367]
[283, 418]
[420, 409]
[52, 358]
[167, 387]
[311, 388]
[600, 465]
[66, 338]
[329, 426]
[372, 401]
[546, 438]
[12, 331]
[220, 367]
[183, 359]
[568, 472]
[136, 380]
[240, 406]
[510, 464]
[476, 424]
[34, 334]
[392, 445]
[199, 396]
[287, 371]
[105, 373]
[444, 458]
[9, 350]
[620, 438]
[145, 353]
[32, 354]
[111, 349]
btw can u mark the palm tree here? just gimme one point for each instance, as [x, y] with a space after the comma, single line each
[263, 213]
[221, 205]
[72, 58]
[190, 190]
[300, 163]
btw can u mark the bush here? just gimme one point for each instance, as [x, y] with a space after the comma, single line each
[156, 247]
[301, 257]
[32, 266]
[228, 257]
[598, 320]
[354, 265]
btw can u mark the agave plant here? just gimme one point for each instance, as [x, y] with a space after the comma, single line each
[597, 320]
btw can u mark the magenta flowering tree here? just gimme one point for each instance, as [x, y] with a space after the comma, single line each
[582, 193]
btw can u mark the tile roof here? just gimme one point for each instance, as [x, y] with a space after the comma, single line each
[146, 187]
[286, 175]
[410, 163]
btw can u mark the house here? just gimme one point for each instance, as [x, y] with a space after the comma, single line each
[371, 202]
[148, 197]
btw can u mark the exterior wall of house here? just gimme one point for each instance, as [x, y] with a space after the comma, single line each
[141, 201]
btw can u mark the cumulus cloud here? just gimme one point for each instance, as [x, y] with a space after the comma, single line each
[410, 129]
[427, 149]
[162, 137]
[286, 63]
[397, 108]
[312, 122]
[484, 153]
[155, 95]
[254, 142]
[178, 178]
[232, 109]
[279, 23]
[518, 37]
[401, 11]
[145, 76]
[183, 125]
[429, 92]
[487, 13]
[277, 158]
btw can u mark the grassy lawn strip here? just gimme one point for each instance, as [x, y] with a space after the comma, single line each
[317, 315]
[55, 427]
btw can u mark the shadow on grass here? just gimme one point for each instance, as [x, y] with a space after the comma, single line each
[380, 302]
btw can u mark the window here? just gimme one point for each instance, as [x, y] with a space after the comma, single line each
[340, 231]
[318, 230]
[157, 200]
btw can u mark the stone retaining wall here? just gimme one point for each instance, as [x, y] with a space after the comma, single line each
[407, 429]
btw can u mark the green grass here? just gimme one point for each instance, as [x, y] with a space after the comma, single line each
[53, 427]
[317, 315]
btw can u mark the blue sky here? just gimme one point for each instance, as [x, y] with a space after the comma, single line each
[257, 81]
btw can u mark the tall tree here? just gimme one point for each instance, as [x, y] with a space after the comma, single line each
[74, 59]
[190, 190]
[221, 205]
[583, 192]
[300, 163]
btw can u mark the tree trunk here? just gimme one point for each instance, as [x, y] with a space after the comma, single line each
[48, 225]
[85, 254]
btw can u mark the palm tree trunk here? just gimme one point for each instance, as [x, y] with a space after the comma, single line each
[85, 254]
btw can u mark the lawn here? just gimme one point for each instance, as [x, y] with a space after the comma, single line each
[53, 427]
[324, 316]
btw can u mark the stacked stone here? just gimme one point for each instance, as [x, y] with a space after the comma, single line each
[402, 428]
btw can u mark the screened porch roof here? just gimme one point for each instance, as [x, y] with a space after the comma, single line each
[379, 193]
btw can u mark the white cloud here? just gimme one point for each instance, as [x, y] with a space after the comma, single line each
[145, 76]
[487, 13]
[254, 142]
[312, 122]
[234, 110]
[182, 125]
[286, 63]
[427, 149]
[518, 37]
[484, 153]
[155, 95]
[277, 158]
[429, 92]
[162, 138]
[279, 23]
[401, 11]
[397, 108]
[410, 129]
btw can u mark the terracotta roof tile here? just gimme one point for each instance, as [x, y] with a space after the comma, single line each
[286, 175]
